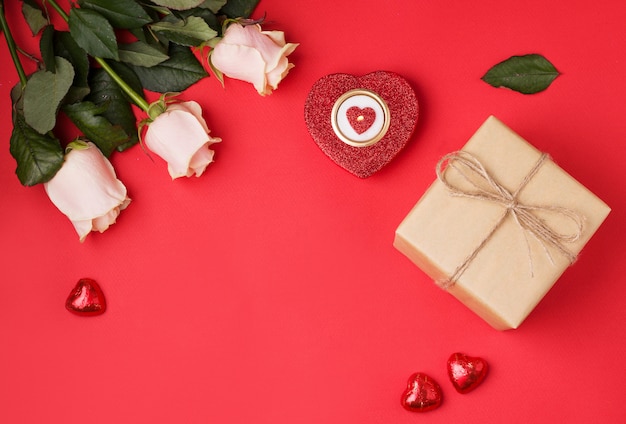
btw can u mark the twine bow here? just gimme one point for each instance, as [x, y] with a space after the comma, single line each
[485, 187]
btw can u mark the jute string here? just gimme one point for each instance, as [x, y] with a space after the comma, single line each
[485, 187]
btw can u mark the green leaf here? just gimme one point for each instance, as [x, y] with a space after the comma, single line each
[129, 76]
[66, 47]
[141, 54]
[206, 14]
[120, 13]
[527, 74]
[38, 156]
[213, 5]
[46, 46]
[34, 16]
[178, 4]
[192, 31]
[176, 74]
[239, 8]
[43, 94]
[104, 91]
[86, 116]
[93, 33]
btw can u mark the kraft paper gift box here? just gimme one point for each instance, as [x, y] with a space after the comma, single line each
[499, 225]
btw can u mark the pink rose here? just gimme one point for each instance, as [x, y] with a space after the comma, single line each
[181, 137]
[86, 189]
[249, 54]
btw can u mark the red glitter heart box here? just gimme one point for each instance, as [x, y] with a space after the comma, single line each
[361, 122]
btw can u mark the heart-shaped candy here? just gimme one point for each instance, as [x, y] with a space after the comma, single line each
[466, 372]
[86, 298]
[361, 122]
[422, 393]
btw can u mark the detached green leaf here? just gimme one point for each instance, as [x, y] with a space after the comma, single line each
[38, 156]
[43, 94]
[174, 75]
[34, 16]
[86, 116]
[239, 8]
[120, 13]
[93, 33]
[192, 31]
[178, 4]
[527, 74]
[141, 54]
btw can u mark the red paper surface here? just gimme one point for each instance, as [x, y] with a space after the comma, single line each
[268, 290]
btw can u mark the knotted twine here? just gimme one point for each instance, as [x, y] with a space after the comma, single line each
[485, 187]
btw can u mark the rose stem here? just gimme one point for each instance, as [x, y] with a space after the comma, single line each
[11, 45]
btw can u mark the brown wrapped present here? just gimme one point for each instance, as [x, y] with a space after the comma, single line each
[500, 225]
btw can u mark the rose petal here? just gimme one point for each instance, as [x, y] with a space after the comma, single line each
[103, 222]
[277, 37]
[86, 188]
[179, 135]
[278, 73]
[229, 59]
[83, 228]
[233, 56]
[271, 52]
[192, 107]
[86, 185]
[199, 161]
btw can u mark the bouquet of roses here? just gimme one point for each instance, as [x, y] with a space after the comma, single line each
[96, 69]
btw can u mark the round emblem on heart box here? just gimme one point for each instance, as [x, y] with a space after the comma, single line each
[361, 122]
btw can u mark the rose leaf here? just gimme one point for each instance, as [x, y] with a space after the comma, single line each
[176, 74]
[192, 31]
[526, 74]
[87, 117]
[120, 13]
[141, 54]
[46, 47]
[201, 12]
[239, 8]
[66, 47]
[43, 94]
[38, 156]
[179, 4]
[118, 109]
[93, 33]
[34, 16]
[213, 5]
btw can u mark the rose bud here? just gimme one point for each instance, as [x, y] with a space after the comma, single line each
[180, 136]
[87, 190]
[249, 54]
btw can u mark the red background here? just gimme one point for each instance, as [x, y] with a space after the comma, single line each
[268, 290]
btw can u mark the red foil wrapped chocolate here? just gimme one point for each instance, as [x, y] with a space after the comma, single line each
[466, 372]
[86, 299]
[422, 394]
